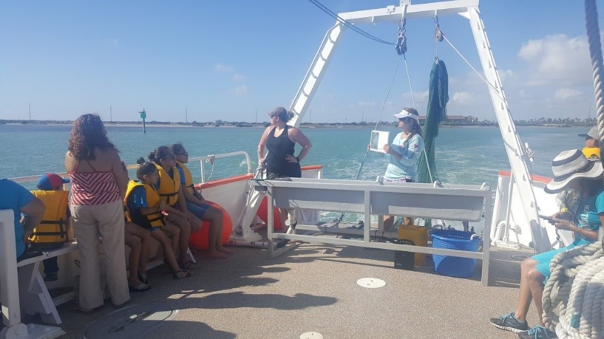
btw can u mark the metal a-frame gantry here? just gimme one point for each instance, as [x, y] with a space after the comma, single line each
[468, 9]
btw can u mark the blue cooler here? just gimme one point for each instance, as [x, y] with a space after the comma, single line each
[454, 240]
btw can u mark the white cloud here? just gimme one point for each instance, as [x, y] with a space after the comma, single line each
[366, 104]
[463, 98]
[567, 94]
[113, 41]
[238, 77]
[239, 90]
[223, 68]
[556, 58]
[419, 97]
[506, 74]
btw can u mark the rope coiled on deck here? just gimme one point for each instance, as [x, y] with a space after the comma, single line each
[583, 315]
[571, 291]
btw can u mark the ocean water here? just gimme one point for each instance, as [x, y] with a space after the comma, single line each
[464, 155]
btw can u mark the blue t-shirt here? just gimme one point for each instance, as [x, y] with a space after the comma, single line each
[182, 175]
[589, 217]
[139, 197]
[410, 150]
[15, 197]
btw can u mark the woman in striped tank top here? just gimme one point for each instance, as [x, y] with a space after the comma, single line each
[99, 183]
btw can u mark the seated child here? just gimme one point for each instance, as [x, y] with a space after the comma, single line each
[51, 233]
[139, 256]
[146, 210]
[139, 252]
[197, 205]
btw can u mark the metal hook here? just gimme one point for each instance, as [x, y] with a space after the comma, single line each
[401, 43]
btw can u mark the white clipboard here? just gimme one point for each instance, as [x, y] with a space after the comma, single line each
[377, 141]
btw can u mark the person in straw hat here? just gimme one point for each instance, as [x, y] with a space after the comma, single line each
[572, 170]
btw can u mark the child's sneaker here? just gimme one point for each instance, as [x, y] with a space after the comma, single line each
[509, 323]
[537, 332]
[52, 276]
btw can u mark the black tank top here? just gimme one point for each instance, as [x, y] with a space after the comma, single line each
[278, 148]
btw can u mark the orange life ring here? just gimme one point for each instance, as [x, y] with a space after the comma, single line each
[200, 238]
[262, 214]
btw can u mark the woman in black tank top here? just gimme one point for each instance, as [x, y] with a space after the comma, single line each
[280, 140]
[278, 148]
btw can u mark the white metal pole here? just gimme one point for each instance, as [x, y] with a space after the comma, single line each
[315, 74]
[9, 282]
[513, 147]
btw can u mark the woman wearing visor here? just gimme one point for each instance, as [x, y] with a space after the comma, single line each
[404, 151]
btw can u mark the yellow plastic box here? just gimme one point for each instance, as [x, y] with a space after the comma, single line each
[419, 236]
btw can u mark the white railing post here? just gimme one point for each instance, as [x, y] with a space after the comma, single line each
[9, 282]
[9, 288]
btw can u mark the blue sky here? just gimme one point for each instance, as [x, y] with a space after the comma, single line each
[230, 59]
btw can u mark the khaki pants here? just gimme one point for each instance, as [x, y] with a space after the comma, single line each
[90, 223]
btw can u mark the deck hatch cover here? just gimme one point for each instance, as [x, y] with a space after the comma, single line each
[130, 322]
[371, 282]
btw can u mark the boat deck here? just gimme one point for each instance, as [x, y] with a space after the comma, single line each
[313, 289]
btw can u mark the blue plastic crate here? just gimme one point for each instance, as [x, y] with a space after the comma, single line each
[454, 240]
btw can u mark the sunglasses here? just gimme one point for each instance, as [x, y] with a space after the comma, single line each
[186, 154]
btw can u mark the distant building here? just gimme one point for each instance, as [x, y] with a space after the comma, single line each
[454, 118]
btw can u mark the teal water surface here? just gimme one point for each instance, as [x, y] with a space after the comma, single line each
[464, 155]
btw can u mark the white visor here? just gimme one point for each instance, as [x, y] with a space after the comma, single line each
[405, 114]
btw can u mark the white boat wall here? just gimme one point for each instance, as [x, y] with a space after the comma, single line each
[510, 228]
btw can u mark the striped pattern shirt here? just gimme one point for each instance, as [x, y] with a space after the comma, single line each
[93, 188]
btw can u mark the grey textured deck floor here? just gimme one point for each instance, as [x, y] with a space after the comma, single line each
[313, 288]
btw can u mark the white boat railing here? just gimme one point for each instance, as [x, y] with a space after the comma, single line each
[202, 160]
[212, 157]
[9, 288]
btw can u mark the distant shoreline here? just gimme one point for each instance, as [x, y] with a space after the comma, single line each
[224, 124]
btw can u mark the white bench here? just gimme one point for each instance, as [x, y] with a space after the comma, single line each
[33, 293]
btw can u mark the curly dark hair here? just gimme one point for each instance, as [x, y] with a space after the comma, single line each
[87, 134]
[162, 152]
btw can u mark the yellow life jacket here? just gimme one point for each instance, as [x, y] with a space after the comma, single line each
[53, 227]
[591, 152]
[153, 199]
[168, 185]
[188, 178]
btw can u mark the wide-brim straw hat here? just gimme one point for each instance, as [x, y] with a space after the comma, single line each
[570, 165]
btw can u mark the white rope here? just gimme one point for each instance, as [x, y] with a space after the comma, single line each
[415, 106]
[474, 69]
[575, 290]
[595, 51]
[381, 112]
[409, 80]
[582, 307]
[389, 89]
[564, 268]
[428, 166]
